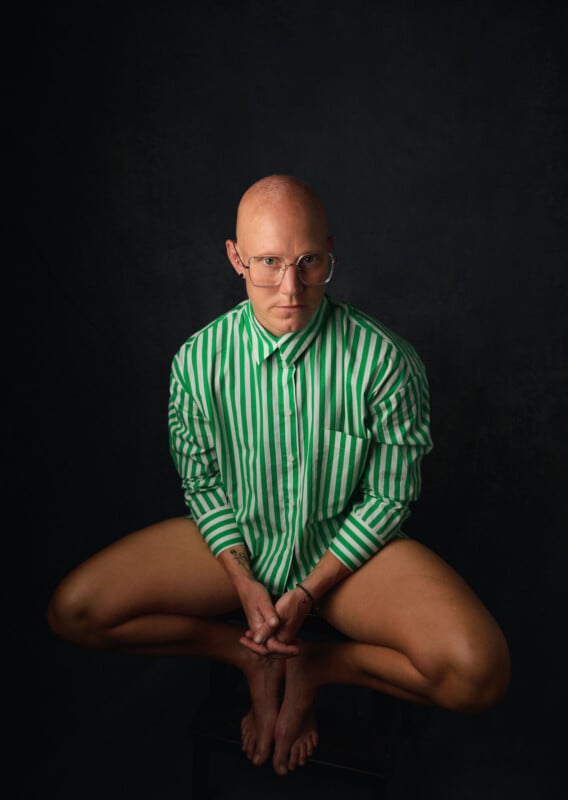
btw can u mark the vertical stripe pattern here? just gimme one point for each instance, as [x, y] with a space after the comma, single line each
[299, 444]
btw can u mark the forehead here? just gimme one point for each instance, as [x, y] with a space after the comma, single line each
[292, 222]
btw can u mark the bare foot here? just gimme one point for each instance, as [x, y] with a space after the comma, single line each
[295, 735]
[264, 675]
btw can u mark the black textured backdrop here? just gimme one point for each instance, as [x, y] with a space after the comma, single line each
[436, 135]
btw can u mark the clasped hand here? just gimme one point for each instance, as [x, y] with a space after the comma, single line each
[273, 628]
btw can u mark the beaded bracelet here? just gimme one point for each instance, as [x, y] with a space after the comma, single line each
[308, 594]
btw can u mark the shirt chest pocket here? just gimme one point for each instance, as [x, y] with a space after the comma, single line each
[340, 463]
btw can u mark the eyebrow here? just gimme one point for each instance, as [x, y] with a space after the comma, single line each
[265, 253]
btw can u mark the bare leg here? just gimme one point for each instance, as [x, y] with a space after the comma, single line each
[152, 593]
[427, 637]
[257, 726]
[418, 632]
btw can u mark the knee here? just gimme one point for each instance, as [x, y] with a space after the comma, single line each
[70, 614]
[474, 673]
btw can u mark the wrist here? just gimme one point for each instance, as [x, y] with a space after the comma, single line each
[243, 584]
[307, 596]
[327, 573]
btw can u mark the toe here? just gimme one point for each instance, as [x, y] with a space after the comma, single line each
[295, 756]
[280, 766]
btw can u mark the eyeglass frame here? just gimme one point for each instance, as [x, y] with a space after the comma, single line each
[296, 264]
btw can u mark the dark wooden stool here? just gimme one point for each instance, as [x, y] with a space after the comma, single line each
[362, 733]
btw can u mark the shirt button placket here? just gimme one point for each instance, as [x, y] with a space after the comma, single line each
[293, 460]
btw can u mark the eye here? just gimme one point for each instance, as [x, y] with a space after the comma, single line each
[270, 261]
[310, 260]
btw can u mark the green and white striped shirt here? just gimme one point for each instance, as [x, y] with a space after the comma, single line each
[297, 444]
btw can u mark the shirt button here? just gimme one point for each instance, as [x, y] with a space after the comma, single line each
[288, 412]
[291, 459]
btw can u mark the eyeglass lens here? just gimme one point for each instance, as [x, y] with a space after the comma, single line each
[313, 268]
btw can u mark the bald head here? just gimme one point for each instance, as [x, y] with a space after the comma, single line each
[280, 216]
[279, 195]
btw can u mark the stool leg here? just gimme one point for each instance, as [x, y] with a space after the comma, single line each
[200, 769]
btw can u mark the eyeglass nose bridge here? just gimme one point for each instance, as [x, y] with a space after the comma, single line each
[285, 266]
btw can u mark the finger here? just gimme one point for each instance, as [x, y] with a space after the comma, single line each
[276, 651]
[261, 633]
[263, 621]
[251, 645]
[267, 612]
[274, 645]
[288, 633]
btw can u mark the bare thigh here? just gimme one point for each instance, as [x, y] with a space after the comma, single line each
[164, 568]
[408, 598]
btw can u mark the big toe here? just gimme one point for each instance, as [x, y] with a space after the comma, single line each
[262, 750]
[248, 737]
[280, 760]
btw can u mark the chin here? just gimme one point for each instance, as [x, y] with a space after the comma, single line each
[292, 326]
[282, 325]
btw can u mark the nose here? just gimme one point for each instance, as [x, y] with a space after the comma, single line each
[291, 283]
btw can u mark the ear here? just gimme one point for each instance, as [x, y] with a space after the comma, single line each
[233, 257]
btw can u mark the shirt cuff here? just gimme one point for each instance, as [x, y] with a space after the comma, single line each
[357, 541]
[215, 519]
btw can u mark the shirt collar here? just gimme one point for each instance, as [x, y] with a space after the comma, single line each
[263, 344]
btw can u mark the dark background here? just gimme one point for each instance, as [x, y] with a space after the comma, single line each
[436, 135]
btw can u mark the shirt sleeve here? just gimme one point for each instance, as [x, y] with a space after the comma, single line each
[192, 447]
[400, 429]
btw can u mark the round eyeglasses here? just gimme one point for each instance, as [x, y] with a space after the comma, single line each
[314, 269]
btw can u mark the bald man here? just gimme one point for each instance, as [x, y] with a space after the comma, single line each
[297, 425]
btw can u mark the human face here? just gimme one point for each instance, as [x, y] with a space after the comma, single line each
[289, 228]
